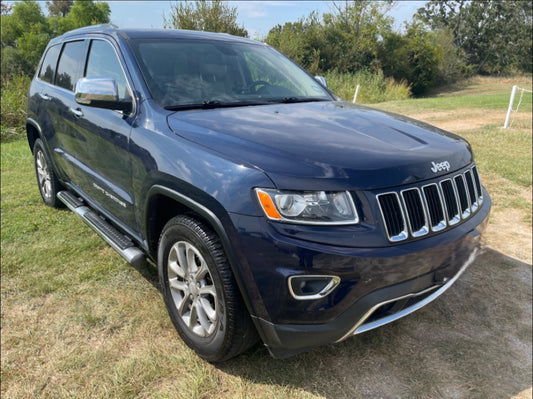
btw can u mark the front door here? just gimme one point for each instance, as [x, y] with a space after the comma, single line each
[93, 143]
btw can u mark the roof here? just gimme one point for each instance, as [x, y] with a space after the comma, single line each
[111, 29]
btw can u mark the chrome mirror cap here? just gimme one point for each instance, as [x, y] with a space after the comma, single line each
[100, 92]
[96, 89]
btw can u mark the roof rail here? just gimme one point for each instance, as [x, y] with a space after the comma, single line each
[92, 27]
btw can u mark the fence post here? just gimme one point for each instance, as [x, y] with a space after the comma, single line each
[355, 95]
[513, 92]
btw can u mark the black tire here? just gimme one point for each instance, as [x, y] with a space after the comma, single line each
[204, 302]
[47, 181]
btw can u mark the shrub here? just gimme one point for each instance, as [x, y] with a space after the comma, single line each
[374, 87]
[14, 102]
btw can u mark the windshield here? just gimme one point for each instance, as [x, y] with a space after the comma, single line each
[184, 74]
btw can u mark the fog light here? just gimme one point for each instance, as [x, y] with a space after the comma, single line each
[307, 287]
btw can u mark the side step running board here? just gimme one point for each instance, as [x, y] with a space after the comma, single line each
[120, 242]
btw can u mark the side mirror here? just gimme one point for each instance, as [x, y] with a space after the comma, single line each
[322, 80]
[100, 92]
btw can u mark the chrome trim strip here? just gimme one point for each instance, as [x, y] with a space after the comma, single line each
[403, 234]
[360, 327]
[334, 282]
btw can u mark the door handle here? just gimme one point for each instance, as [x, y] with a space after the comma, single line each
[77, 112]
[45, 96]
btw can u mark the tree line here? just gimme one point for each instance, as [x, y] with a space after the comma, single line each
[444, 41]
[26, 30]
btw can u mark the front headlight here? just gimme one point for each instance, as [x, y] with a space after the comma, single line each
[308, 207]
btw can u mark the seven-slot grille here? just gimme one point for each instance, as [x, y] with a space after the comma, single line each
[416, 212]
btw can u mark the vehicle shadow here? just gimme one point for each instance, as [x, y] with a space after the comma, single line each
[473, 341]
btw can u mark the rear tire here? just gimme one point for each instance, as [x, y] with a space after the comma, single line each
[200, 291]
[47, 181]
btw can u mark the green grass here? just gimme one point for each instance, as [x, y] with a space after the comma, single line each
[506, 153]
[480, 101]
[77, 321]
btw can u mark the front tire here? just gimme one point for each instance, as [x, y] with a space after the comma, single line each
[200, 292]
[47, 181]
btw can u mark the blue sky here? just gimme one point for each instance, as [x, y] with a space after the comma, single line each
[258, 17]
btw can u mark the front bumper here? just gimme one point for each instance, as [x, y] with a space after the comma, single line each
[373, 311]
[378, 285]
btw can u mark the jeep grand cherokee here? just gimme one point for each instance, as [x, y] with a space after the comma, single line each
[273, 209]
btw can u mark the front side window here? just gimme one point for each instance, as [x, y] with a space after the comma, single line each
[69, 69]
[103, 62]
[180, 73]
[48, 68]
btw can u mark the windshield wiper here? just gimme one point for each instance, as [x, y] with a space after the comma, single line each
[206, 104]
[210, 104]
[290, 100]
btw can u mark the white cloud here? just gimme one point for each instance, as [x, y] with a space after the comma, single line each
[250, 9]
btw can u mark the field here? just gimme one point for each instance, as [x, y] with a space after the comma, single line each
[77, 321]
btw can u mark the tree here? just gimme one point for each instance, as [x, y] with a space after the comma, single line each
[210, 16]
[83, 13]
[346, 39]
[59, 8]
[302, 41]
[354, 31]
[414, 57]
[494, 35]
[25, 33]
[24, 14]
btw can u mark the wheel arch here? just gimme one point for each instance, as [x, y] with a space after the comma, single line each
[33, 132]
[164, 203]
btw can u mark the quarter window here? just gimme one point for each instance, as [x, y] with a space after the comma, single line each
[48, 68]
[103, 62]
[69, 68]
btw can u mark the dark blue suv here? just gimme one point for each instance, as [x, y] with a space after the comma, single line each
[273, 209]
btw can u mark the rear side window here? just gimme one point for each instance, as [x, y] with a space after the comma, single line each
[48, 69]
[103, 62]
[69, 69]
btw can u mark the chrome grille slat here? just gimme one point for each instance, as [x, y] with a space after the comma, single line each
[478, 185]
[415, 212]
[416, 215]
[434, 205]
[393, 217]
[471, 190]
[464, 202]
[450, 199]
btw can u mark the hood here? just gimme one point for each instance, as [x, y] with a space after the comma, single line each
[326, 145]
